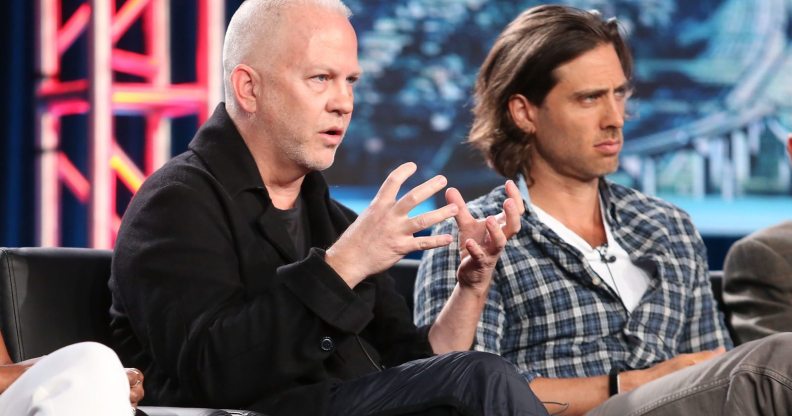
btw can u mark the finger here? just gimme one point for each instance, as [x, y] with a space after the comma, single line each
[394, 181]
[497, 239]
[419, 194]
[510, 218]
[463, 217]
[428, 219]
[475, 250]
[430, 242]
[714, 353]
[134, 376]
[704, 356]
[513, 192]
[136, 395]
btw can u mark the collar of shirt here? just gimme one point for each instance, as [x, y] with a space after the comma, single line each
[626, 279]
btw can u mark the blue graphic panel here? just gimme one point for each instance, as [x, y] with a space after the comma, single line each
[712, 107]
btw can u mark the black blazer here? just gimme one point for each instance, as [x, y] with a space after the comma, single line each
[211, 301]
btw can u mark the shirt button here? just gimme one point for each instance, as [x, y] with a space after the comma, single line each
[326, 344]
[596, 281]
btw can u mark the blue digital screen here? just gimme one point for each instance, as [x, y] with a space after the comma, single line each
[709, 117]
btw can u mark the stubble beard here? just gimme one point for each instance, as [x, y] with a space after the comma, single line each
[298, 151]
[581, 169]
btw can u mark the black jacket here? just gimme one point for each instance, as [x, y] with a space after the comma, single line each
[211, 301]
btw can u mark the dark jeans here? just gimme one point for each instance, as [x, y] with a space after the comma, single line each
[460, 383]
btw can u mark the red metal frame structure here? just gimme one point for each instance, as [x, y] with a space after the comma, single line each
[102, 99]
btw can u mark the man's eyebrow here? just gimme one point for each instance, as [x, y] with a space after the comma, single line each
[334, 71]
[626, 86]
[590, 92]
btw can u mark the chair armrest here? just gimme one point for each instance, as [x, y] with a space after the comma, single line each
[189, 411]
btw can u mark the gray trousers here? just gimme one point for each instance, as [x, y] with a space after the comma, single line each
[752, 379]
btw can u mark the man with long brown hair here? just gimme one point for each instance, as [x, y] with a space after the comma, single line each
[604, 292]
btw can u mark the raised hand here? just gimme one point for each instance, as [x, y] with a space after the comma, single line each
[482, 240]
[383, 233]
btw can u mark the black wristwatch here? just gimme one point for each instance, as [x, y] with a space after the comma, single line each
[613, 381]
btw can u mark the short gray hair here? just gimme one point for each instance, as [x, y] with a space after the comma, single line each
[260, 19]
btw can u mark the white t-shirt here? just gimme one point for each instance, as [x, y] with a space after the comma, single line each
[610, 261]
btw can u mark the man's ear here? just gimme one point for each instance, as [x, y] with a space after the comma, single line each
[244, 81]
[523, 112]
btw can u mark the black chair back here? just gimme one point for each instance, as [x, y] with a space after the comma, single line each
[53, 297]
[716, 281]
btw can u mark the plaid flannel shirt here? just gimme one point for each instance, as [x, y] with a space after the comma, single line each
[551, 315]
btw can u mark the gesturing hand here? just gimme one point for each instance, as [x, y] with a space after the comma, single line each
[136, 392]
[481, 241]
[383, 233]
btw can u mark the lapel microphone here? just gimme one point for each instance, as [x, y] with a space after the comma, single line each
[603, 252]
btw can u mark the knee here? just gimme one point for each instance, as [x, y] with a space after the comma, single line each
[770, 346]
[484, 364]
[774, 341]
[95, 359]
[491, 383]
[763, 354]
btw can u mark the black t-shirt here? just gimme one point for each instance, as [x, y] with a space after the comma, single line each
[296, 222]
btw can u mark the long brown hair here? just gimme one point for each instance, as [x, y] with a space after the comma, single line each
[523, 61]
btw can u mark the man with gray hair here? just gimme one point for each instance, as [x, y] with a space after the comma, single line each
[238, 282]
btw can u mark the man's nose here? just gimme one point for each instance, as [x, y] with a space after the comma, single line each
[342, 100]
[613, 112]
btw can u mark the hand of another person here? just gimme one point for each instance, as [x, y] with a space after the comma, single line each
[629, 380]
[383, 233]
[481, 241]
[136, 392]
[9, 373]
